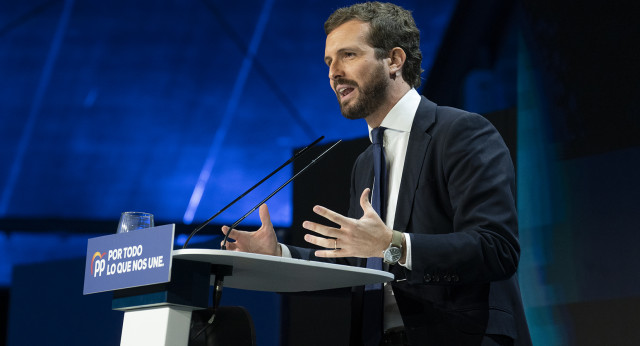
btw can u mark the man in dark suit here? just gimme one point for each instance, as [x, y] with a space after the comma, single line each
[447, 226]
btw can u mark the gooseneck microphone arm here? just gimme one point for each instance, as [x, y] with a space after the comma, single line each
[224, 243]
[250, 189]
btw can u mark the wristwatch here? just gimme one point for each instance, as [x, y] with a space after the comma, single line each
[392, 254]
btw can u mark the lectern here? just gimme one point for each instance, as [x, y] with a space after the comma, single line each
[160, 315]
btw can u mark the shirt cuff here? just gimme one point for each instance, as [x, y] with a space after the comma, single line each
[407, 263]
[285, 251]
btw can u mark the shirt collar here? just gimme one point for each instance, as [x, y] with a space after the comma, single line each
[400, 117]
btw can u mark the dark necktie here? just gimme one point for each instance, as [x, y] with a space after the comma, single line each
[373, 296]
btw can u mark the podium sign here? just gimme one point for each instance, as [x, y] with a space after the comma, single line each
[136, 258]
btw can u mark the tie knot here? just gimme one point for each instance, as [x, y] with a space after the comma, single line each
[377, 135]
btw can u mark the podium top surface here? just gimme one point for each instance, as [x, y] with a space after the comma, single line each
[280, 274]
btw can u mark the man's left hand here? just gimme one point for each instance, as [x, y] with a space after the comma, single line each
[364, 237]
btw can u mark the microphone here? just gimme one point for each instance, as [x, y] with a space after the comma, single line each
[313, 162]
[218, 284]
[251, 189]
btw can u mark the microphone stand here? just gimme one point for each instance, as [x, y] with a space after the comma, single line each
[219, 279]
[224, 243]
[250, 189]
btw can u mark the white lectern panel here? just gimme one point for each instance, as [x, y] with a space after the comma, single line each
[278, 274]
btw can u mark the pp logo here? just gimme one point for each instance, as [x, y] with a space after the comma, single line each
[98, 265]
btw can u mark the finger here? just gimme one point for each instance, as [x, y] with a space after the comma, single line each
[331, 253]
[231, 246]
[321, 229]
[331, 215]
[365, 203]
[326, 243]
[265, 218]
[234, 234]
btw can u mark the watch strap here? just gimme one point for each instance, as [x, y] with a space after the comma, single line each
[396, 239]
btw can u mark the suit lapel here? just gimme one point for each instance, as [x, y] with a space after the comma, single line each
[416, 152]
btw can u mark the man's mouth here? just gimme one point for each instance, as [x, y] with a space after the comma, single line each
[344, 90]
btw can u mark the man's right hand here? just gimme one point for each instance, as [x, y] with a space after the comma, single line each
[263, 241]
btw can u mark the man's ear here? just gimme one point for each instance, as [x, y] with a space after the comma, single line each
[397, 58]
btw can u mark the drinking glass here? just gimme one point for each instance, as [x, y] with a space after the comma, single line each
[133, 220]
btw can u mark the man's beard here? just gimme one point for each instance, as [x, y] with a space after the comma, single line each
[370, 97]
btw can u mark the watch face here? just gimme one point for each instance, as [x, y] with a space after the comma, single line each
[392, 255]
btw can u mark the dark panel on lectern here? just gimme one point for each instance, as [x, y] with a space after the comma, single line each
[326, 184]
[308, 316]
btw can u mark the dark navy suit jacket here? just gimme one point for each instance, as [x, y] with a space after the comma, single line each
[457, 203]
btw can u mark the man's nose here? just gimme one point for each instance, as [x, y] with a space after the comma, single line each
[335, 71]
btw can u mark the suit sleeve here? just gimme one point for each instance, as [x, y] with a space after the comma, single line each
[478, 242]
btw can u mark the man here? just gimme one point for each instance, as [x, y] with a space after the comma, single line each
[449, 213]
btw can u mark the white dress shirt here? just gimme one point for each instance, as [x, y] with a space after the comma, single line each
[396, 139]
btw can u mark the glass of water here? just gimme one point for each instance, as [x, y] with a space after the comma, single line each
[133, 220]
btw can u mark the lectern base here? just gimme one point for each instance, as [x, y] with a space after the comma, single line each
[161, 326]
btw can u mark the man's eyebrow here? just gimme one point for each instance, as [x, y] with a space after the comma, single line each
[341, 50]
[351, 48]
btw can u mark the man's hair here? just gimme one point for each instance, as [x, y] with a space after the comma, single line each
[391, 26]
